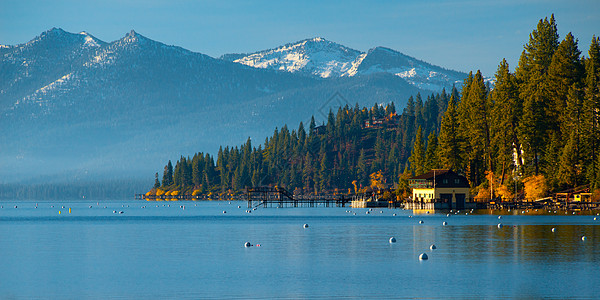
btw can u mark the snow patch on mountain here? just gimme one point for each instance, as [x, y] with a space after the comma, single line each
[55, 88]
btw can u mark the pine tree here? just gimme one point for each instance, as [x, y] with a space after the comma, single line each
[168, 175]
[565, 72]
[449, 149]
[417, 157]
[533, 89]
[591, 114]
[431, 157]
[505, 118]
[156, 181]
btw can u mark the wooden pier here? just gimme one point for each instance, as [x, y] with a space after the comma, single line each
[280, 197]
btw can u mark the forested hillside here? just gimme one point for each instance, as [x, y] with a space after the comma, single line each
[338, 156]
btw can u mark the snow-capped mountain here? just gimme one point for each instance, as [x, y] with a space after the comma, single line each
[316, 56]
[326, 59]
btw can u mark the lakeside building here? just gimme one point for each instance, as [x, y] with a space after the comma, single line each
[440, 189]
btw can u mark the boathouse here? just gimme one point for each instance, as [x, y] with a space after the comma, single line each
[440, 189]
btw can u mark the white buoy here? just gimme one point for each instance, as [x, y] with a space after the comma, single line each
[305, 225]
[224, 212]
[381, 211]
[553, 229]
[367, 212]
[594, 218]
[583, 238]
[427, 212]
[423, 256]
[247, 244]
[421, 222]
[114, 211]
[121, 212]
[499, 217]
[444, 223]
[499, 225]
[432, 247]
[394, 215]
[447, 215]
[410, 216]
[239, 206]
[392, 240]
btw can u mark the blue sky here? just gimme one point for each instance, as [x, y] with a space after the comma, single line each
[460, 35]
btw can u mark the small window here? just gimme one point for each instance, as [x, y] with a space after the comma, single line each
[445, 181]
[456, 180]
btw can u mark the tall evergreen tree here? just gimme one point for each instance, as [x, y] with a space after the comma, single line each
[533, 89]
[505, 118]
[168, 174]
[450, 138]
[417, 157]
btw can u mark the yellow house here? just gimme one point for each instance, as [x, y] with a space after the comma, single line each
[440, 189]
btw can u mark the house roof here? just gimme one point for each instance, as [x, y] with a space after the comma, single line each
[430, 174]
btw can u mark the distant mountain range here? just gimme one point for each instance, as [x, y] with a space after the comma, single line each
[73, 107]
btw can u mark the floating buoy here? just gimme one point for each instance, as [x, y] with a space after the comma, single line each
[367, 212]
[354, 214]
[410, 216]
[114, 211]
[15, 206]
[499, 225]
[499, 217]
[392, 240]
[305, 225]
[59, 212]
[69, 210]
[583, 238]
[257, 245]
[247, 244]
[421, 222]
[444, 223]
[395, 215]
[594, 218]
[229, 202]
[553, 229]
[224, 212]
[432, 247]
[423, 256]
[427, 212]
[239, 206]
[447, 215]
[121, 212]
[90, 206]
[381, 211]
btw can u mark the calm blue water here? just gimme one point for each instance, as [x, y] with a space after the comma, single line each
[198, 252]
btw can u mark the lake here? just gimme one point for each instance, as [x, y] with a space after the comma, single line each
[165, 250]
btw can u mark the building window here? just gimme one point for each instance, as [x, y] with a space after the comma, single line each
[445, 181]
[457, 181]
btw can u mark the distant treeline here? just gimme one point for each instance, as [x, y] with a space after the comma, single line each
[338, 155]
[93, 190]
[539, 128]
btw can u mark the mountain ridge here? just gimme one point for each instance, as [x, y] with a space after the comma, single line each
[297, 57]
